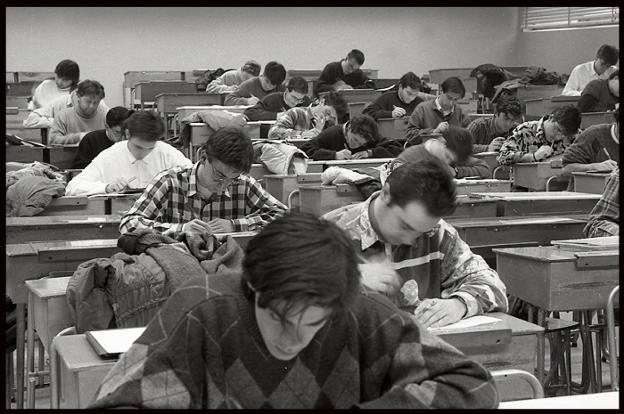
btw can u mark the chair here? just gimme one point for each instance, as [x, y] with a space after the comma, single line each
[502, 172]
[612, 302]
[516, 384]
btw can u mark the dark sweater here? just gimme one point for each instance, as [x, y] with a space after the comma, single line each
[269, 106]
[90, 146]
[333, 72]
[248, 88]
[597, 97]
[204, 350]
[325, 145]
[382, 107]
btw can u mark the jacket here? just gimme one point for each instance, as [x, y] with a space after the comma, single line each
[281, 158]
[214, 120]
[30, 195]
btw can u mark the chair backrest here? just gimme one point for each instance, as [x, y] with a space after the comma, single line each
[516, 384]
[612, 303]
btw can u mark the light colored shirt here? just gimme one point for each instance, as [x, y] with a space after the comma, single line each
[226, 83]
[69, 126]
[118, 162]
[581, 75]
[46, 93]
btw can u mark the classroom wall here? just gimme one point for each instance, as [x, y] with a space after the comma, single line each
[107, 42]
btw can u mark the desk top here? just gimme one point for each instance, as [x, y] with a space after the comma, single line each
[48, 287]
[12, 222]
[550, 254]
[537, 195]
[212, 107]
[600, 174]
[78, 353]
[513, 221]
[352, 162]
[605, 400]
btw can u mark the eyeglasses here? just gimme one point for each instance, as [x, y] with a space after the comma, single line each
[220, 178]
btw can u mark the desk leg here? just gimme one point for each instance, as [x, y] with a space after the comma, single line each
[30, 354]
[19, 366]
[54, 377]
[541, 321]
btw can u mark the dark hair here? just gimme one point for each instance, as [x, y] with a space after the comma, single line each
[428, 181]
[298, 84]
[357, 55]
[68, 69]
[410, 80]
[365, 126]
[615, 74]
[509, 105]
[616, 115]
[288, 260]
[608, 54]
[569, 119]
[90, 87]
[460, 141]
[252, 67]
[336, 101]
[232, 146]
[115, 116]
[454, 85]
[275, 73]
[145, 124]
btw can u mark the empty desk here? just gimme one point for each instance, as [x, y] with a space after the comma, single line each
[47, 228]
[280, 186]
[144, 93]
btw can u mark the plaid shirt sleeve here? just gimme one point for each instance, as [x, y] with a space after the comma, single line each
[604, 219]
[466, 275]
[149, 211]
[261, 206]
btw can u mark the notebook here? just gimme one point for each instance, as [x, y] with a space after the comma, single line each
[110, 343]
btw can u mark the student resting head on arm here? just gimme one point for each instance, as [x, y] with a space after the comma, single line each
[213, 195]
[306, 122]
[534, 141]
[230, 80]
[601, 95]
[131, 163]
[97, 141]
[291, 330]
[490, 133]
[406, 247]
[66, 78]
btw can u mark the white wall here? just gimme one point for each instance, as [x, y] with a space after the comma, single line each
[106, 42]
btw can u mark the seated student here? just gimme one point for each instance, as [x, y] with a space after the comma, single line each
[397, 103]
[305, 122]
[345, 74]
[534, 141]
[291, 330]
[252, 90]
[131, 163]
[277, 103]
[214, 194]
[604, 219]
[72, 124]
[600, 68]
[97, 141]
[358, 138]
[411, 254]
[231, 80]
[601, 95]
[66, 77]
[435, 116]
[490, 133]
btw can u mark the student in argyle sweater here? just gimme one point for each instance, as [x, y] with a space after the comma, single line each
[294, 330]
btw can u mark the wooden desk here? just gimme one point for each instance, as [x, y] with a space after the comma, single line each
[23, 153]
[594, 118]
[356, 108]
[42, 228]
[77, 205]
[489, 158]
[145, 92]
[200, 131]
[604, 400]
[465, 187]
[131, 78]
[391, 128]
[169, 102]
[539, 107]
[280, 186]
[469, 207]
[296, 142]
[527, 92]
[31, 134]
[121, 204]
[541, 202]
[61, 156]
[350, 164]
[535, 175]
[356, 95]
[590, 182]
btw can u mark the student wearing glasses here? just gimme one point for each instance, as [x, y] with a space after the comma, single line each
[434, 116]
[490, 133]
[215, 194]
[534, 141]
[275, 104]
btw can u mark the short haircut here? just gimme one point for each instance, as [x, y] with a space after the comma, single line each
[460, 141]
[297, 84]
[615, 74]
[146, 125]
[357, 55]
[365, 126]
[115, 116]
[569, 119]
[68, 69]
[428, 181]
[509, 105]
[232, 146]
[608, 54]
[287, 261]
[90, 87]
[275, 73]
[252, 67]
[336, 101]
[410, 80]
[453, 85]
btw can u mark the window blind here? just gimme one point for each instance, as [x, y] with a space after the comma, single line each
[545, 18]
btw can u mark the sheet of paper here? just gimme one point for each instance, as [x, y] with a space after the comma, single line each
[466, 323]
[87, 220]
[93, 243]
[117, 341]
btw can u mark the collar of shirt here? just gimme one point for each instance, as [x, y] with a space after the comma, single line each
[131, 158]
[438, 107]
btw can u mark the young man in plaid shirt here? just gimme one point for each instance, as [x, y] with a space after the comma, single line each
[215, 194]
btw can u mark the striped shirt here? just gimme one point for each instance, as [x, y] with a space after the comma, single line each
[604, 219]
[173, 199]
[438, 255]
[526, 138]
[292, 124]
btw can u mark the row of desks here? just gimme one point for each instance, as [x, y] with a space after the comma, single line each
[59, 156]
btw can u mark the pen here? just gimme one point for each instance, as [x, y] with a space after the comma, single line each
[606, 152]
